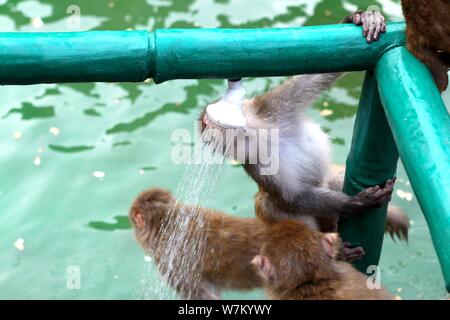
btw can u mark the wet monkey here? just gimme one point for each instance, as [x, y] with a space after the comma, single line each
[299, 263]
[297, 189]
[231, 243]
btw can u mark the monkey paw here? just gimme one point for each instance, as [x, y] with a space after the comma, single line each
[349, 253]
[377, 196]
[373, 24]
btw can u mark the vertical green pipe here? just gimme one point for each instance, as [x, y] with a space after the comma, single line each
[372, 160]
[420, 124]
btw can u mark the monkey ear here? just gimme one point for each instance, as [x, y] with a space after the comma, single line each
[137, 217]
[264, 266]
[330, 242]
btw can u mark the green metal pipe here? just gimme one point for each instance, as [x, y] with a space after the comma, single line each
[420, 125]
[104, 56]
[372, 160]
[132, 56]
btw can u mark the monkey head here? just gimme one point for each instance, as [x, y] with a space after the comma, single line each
[147, 213]
[293, 254]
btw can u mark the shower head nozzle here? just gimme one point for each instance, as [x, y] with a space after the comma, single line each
[227, 112]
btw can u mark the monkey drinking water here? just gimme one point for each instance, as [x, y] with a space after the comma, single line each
[295, 186]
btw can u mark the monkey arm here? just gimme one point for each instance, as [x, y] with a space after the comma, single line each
[298, 92]
[302, 90]
[321, 202]
[397, 221]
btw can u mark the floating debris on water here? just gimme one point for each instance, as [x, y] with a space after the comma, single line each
[98, 174]
[20, 244]
[148, 259]
[54, 131]
[37, 161]
[326, 112]
[405, 195]
[37, 22]
[17, 135]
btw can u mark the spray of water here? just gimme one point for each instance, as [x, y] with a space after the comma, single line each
[182, 237]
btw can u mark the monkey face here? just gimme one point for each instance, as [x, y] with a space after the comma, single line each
[147, 213]
[253, 145]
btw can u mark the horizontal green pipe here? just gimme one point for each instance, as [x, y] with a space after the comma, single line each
[132, 56]
[104, 56]
[234, 53]
[420, 125]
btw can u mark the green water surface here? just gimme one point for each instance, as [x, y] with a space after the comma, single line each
[73, 156]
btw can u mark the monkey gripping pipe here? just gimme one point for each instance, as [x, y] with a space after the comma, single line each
[401, 86]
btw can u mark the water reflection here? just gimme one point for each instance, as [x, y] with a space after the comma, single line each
[121, 223]
[28, 111]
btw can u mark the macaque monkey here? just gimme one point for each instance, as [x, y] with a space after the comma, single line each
[428, 35]
[297, 188]
[231, 242]
[299, 263]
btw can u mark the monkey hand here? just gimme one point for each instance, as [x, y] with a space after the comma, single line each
[370, 198]
[377, 196]
[373, 23]
[349, 254]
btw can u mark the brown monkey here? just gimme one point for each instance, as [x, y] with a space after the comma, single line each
[298, 263]
[297, 188]
[428, 35]
[231, 242]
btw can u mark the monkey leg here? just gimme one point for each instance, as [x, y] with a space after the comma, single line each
[397, 223]
[435, 61]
